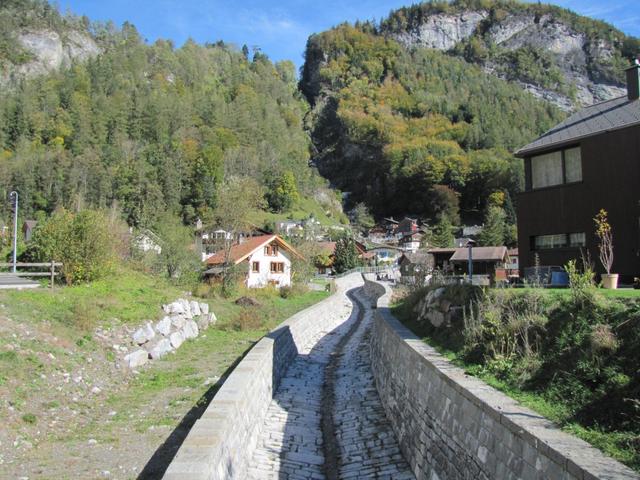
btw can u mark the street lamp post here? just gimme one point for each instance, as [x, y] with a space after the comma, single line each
[15, 229]
[470, 245]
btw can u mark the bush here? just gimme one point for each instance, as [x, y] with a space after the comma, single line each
[247, 319]
[86, 243]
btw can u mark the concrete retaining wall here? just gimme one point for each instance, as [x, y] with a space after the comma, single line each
[221, 443]
[452, 426]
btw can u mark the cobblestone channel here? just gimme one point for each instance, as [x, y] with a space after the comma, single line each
[362, 443]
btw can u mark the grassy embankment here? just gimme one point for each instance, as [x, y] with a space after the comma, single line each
[49, 334]
[580, 369]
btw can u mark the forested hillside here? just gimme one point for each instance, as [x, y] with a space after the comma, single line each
[414, 131]
[152, 128]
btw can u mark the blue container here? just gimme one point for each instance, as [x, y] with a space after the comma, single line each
[559, 279]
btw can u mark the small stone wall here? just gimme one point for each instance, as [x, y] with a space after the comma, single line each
[452, 426]
[221, 443]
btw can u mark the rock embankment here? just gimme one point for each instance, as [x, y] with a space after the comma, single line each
[183, 320]
[49, 51]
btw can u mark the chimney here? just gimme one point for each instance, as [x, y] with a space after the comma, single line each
[633, 81]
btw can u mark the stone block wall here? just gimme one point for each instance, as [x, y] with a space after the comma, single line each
[451, 426]
[221, 443]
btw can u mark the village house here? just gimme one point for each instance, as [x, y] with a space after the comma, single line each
[289, 228]
[412, 264]
[406, 226]
[586, 163]
[410, 242]
[266, 260]
[488, 262]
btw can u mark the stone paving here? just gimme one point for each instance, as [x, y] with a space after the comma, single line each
[291, 441]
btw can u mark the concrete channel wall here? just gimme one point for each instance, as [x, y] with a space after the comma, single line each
[452, 426]
[221, 443]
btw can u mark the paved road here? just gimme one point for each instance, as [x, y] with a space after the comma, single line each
[326, 420]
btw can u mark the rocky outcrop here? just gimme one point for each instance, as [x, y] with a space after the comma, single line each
[584, 63]
[437, 309]
[49, 51]
[442, 31]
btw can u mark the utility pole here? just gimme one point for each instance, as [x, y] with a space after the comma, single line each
[470, 245]
[15, 229]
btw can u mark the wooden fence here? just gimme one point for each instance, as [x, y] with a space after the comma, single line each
[49, 272]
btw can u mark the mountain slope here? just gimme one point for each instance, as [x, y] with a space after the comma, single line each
[409, 117]
[151, 128]
[414, 131]
[552, 52]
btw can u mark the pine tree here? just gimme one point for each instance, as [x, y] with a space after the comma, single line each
[442, 234]
[493, 232]
[346, 255]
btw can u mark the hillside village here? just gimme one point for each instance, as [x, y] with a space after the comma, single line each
[213, 263]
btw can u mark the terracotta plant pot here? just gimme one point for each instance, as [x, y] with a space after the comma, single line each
[610, 280]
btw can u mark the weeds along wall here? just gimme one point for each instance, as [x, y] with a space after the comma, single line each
[221, 443]
[452, 426]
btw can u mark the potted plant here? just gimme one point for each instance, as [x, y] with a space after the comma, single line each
[603, 231]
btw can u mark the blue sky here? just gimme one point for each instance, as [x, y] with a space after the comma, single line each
[280, 28]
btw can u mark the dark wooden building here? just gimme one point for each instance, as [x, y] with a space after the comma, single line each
[590, 161]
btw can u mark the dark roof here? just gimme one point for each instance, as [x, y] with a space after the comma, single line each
[441, 250]
[480, 254]
[599, 118]
[417, 257]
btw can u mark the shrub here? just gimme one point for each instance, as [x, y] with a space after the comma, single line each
[247, 319]
[581, 282]
[86, 243]
[602, 339]
[286, 292]
[29, 418]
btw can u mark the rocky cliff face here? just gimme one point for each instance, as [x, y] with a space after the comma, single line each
[585, 63]
[48, 51]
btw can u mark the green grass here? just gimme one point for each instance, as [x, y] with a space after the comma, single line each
[619, 445]
[607, 293]
[301, 210]
[125, 296]
[159, 394]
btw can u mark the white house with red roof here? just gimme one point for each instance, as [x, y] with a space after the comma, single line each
[266, 258]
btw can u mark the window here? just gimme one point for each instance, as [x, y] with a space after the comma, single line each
[542, 242]
[546, 170]
[561, 240]
[572, 165]
[556, 168]
[277, 267]
[577, 240]
[255, 267]
[271, 250]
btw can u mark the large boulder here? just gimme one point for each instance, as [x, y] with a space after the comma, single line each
[203, 322]
[186, 307]
[436, 317]
[136, 359]
[160, 349]
[178, 321]
[176, 339]
[176, 308]
[212, 318]
[204, 308]
[143, 334]
[163, 327]
[190, 329]
[195, 308]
